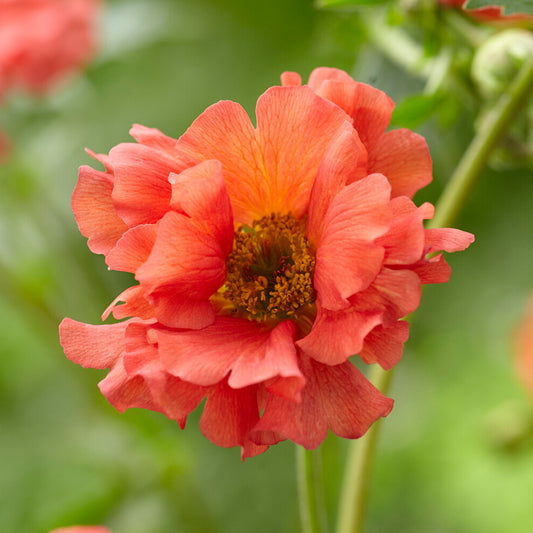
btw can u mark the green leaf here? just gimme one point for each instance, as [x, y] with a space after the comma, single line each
[349, 3]
[509, 6]
[415, 110]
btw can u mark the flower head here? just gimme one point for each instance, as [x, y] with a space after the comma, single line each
[265, 257]
[43, 40]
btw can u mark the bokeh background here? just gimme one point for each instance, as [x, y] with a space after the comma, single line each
[453, 457]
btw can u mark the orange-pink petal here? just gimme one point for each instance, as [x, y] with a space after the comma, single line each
[396, 292]
[403, 156]
[154, 138]
[94, 210]
[294, 129]
[92, 346]
[343, 163]
[246, 351]
[133, 248]
[200, 193]
[185, 264]
[384, 345]
[142, 192]
[370, 108]
[404, 242]
[291, 78]
[271, 169]
[447, 240]
[228, 417]
[347, 258]
[129, 303]
[337, 335]
[338, 398]
[177, 398]
[224, 132]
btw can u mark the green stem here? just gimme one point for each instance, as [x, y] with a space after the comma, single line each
[307, 491]
[355, 487]
[360, 459]
[490, 132]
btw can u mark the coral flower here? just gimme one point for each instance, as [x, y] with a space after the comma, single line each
[488, 14]
[265, 257]
[43, 40]
[524, 348]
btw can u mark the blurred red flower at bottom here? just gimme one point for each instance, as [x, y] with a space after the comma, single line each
[487, 14]
[81, 529]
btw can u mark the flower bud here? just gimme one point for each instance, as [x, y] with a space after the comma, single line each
[499, 59]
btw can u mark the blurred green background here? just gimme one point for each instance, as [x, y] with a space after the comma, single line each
[447, 461]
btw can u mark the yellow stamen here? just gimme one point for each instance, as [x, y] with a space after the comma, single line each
[270, 271]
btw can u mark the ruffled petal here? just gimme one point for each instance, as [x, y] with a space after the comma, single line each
[385, 345]
[101, 347]
[133, 249]
[175, 310]
[125, 392]
[294, 128]
[447, 240]
[92, 346]
[153, 137]
[291, 78]
[321, 74]
[277, 357]
[177, 398]
[229, 415]
[344, 162]
[395, 292]
[403, 156]
[347, 258]
[405, 240]
[200, 193]
[370, 108]
[338, 398]
[142, 192]
[250, 352]
[434, 270]
[134, 303]
[224, 132]
[94, 210]
[186, 264]
[337, 335]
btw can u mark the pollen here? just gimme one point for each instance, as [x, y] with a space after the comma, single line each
[270, 270]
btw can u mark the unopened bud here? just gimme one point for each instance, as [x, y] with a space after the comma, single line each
[499, 59]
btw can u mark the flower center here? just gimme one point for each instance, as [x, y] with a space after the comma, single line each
[270, 270]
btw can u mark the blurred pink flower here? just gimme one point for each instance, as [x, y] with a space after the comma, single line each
[488, 14]
[81, 529]
[41, 41]
[266, 256]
